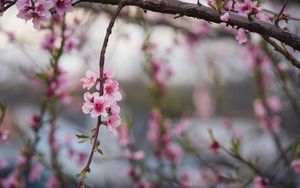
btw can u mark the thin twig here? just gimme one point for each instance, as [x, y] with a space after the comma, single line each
[284, 52]
[101, 70]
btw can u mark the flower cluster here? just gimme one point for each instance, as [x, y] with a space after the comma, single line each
[159, 134]
[102, 105]
[40, 11]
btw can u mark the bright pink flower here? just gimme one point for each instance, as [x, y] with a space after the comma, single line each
[248, 7]
[89, 80]
[99, 107]
[36, 172]
[215, 146]
[296, 165]
[260, 182]
[241, 36]
[62, 6]
[225, 17]
[52, 182]
[111, 90]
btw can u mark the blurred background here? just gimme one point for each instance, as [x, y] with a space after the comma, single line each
[211, 83]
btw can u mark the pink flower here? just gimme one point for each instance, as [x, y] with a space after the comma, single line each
[173, 152]
[111, 90]
[35, 121]
[259, 108]
[52, 182]
[35, 173]
[89, 80]
[204, 102]
[141, 184]
[214, 146]
[136, 156]
[124, 137]
[241, 36]
[113, 122]
[3, 163]
[11, 180]
[260, 182]
[4, 136]
[274, 104]
[153, 133]
[225, 17]
[184, 179]
[271, 124]
[296, 165]
[99, 107]
[248, 7]
[181, 127]
[39, 12]
[62, 6]
[71, 44]
[49, 42]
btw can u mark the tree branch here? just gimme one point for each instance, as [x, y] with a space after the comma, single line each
[176, 7]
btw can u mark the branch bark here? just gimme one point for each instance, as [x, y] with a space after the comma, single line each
[176, 7]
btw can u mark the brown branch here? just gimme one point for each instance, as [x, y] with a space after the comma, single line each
[284, 52]
[176, 7]
[277, 19]
[101, 70]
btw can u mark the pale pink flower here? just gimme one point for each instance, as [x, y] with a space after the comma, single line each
[260, 182]
[136, 155]
[62, 6]
[52, 182]
[88, 102]
[3, 163]
[153, 133]
[71, 44]
[99, 107]
[113, 122]
[271, 124]
[296, 165]
[173, 152]
[49, 42]
[259, 108]
[181, 127]
[241, 36]
[209, 178]
[124, 137]
[36, 172]
[111, 90]
[89, 80]
[274, 103]
[142, 184]
[225, 17]
[184, 179]
[4, 136]
[204, 102]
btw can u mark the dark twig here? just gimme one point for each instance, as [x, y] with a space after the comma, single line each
[277, 19]
[284, 52]
[101, 70]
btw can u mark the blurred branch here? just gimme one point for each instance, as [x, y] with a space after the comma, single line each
[176, 7]
[283, 51]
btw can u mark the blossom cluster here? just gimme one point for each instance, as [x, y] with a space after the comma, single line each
[40, 11]
[104, 105]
